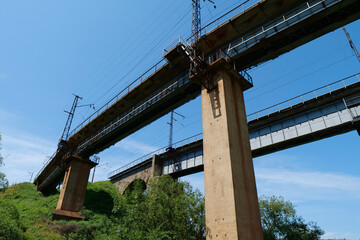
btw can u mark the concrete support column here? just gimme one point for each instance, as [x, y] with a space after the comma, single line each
[231, 203]
[73, 189]
[156, 166]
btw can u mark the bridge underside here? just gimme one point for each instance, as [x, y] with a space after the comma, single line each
[324, 116]
[253, 37]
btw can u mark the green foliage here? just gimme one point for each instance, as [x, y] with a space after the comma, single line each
[168, 210]
[279, 221]
[34, 210]
[10, 223]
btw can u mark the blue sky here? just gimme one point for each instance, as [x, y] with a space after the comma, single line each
[52, 49]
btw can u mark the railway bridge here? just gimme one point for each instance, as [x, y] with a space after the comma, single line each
[253, 34]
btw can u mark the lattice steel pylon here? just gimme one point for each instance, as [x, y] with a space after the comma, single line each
[171, 123]
[198, 67]
[65, 134]
[352, 45]
[196, 21]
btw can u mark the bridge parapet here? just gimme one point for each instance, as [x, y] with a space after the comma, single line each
[145, 171]
[160, 152]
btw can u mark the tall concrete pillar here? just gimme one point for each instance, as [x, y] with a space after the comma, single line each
[73, 189]
[231, 203]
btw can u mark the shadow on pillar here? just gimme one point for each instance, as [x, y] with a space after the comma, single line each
[72, 194]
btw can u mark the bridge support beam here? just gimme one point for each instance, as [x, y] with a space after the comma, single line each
[156, 166]
[231, 203]
[73, 189]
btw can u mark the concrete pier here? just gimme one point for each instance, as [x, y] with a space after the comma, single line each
[231, 202]
[73, 189]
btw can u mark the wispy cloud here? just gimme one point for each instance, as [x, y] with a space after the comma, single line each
[23, 153]
[6, 115]
[333, 235]
[135, 146]
[311, 179]
[307, 184]
[26, 142]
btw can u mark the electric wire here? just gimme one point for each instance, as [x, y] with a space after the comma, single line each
[146, 55]
[299, 78]
[300, 68]
[129, 62]
[119, 50]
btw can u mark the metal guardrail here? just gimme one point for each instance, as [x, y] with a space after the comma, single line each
[126, 90]
[343, 83]
[178, 40]
[157, 152]
[222, 54]
[94, 159]
[45, 163]
[316, 93]
[209, 27]
[212, 25]
[135, 111]
[309, 8]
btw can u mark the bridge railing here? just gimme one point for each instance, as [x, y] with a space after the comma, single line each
[212, 25]
[343, 83]
[45, 163]
[222, 54]
[157, 152]
[94, 159]
[121, 119]
[274, 27]
[326, 89]
[123, 92]
[172, 44]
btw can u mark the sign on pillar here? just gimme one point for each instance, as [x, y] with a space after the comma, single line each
[231, 203]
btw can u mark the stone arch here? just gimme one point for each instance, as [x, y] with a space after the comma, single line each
[128, 179]
[136, 183]
[144, 172]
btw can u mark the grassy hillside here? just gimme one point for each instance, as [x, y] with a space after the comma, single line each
[26, 214]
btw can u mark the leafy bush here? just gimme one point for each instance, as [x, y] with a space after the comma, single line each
[10, 223]
[166, 210]
[279, 221]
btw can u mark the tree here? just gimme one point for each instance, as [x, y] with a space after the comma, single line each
[3, 181]
[167, 210]
[279, 221]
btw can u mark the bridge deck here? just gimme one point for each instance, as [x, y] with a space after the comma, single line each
[260, 33]
[134, 110]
